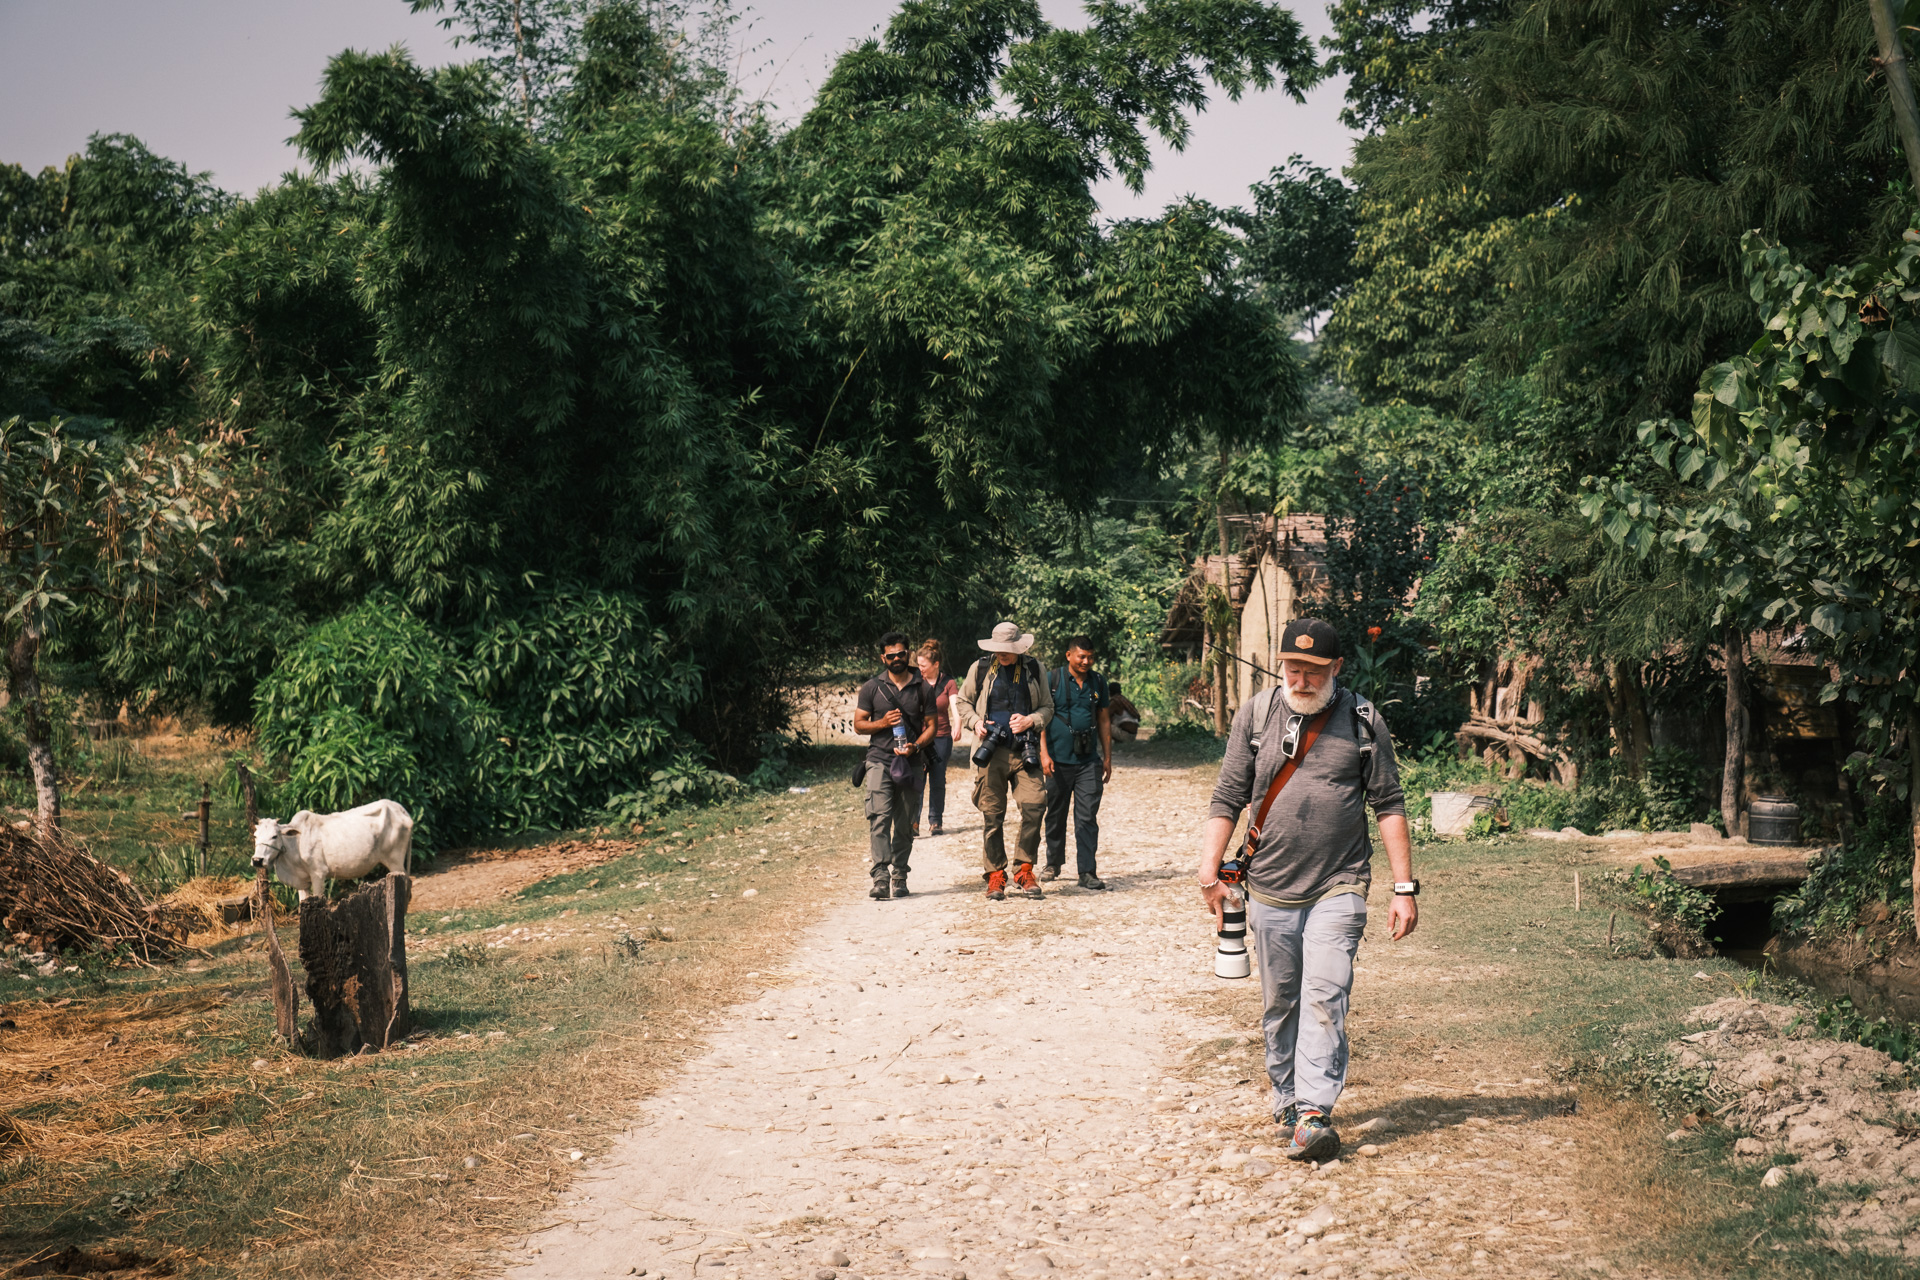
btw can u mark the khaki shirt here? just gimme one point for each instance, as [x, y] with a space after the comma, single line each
[970, 704]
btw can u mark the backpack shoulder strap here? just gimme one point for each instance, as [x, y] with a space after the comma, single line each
[1259, 708]
[1363, 733]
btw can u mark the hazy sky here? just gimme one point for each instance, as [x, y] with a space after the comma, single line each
[210, 83]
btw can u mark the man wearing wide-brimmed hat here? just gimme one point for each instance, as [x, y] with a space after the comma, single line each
[1008, 690]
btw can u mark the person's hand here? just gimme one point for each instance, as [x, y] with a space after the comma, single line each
[903, 749]
[891, 719]
[1106, 770]
[1215, 896]
[1019, 723]
[1404, 917]
[1046, 762]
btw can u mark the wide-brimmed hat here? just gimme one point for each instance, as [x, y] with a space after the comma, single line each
[1007, 638]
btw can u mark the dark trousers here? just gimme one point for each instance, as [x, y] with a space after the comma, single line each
[934, 785]
[1078, 785]
[889, 835]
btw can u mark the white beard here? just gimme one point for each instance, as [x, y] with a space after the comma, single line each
[1309, 704]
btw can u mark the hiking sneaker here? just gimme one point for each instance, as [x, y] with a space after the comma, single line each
[1289, 1117]
[899, 886]
[1051, 871]
[1313, 1137]
[996, 886]
[1088, 880]
[936, 829]
[1024, 882]
[879, 891]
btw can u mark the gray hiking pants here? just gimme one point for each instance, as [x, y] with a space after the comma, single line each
[1306, 975]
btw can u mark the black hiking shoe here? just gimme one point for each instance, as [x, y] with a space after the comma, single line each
[879, 891]
[1051, 872]
[1088, 880]
[1313, 1137]
[899, 886]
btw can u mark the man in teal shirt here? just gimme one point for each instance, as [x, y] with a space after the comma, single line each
[1076, 755]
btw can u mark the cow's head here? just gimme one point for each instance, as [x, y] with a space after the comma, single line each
[271, 838]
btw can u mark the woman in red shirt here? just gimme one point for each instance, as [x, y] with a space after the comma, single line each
[934, 672]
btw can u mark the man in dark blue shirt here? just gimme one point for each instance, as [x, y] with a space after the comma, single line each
[1077, 757]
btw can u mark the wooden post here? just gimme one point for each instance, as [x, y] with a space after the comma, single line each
[1576, 891]
[1913, 802]
[1611, 917]
[286, 999]
[1734, 650]
[355, 955]
[247, 792]
[206, 826]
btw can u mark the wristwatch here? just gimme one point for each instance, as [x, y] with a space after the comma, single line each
[1406, 888]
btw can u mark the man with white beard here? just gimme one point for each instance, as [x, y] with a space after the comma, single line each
[1309, 756]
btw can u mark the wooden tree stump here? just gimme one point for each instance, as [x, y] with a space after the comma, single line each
[355, 955]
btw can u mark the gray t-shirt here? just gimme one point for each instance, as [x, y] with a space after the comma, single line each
[1314, 841]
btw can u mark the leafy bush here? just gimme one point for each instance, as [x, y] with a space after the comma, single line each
[1874, 866]
[1184, 729]
[370, 706]
[1673, 788]
[1693, 910]
[686, 781]
[530, 719]
[1840, 1020]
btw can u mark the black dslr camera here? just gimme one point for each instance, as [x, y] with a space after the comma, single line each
[994, 736]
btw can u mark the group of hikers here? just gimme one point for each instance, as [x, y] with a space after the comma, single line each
[1046, 737]
[1306, 757]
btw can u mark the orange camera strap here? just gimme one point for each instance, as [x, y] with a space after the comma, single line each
[1281, 779]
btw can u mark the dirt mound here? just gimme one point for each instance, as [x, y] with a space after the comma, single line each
[1837, 1112]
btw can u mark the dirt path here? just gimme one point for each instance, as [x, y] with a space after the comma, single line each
[946, 1087]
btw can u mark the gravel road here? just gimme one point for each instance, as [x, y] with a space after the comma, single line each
[947, 1087]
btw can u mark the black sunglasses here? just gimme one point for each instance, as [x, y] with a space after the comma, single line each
[889, 657]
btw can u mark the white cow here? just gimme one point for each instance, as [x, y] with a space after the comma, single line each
[309, 849]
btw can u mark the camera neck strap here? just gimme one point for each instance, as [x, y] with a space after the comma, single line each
[1284, 776]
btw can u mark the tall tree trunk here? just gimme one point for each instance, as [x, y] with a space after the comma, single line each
[1913, 804]
[23, 688]
[1636, 735]
[1893, 61]
[1732, 774]
[1221, 655]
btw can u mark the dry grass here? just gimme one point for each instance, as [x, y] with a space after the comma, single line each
[153, 1115]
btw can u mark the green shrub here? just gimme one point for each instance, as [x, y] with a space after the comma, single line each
[686, 781]
[1876, 865]
[1691, 909]
[1674, 789]
[1183, 729]
[531, 719]
[370, 706]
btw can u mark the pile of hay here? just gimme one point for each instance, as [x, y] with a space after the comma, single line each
[56, 895]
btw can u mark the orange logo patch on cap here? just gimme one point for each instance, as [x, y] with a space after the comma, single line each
[1304, 642]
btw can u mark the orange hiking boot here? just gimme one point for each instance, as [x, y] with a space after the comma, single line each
[1024, 882]
[996, 886]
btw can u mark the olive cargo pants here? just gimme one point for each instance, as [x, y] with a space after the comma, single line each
[990, 787]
